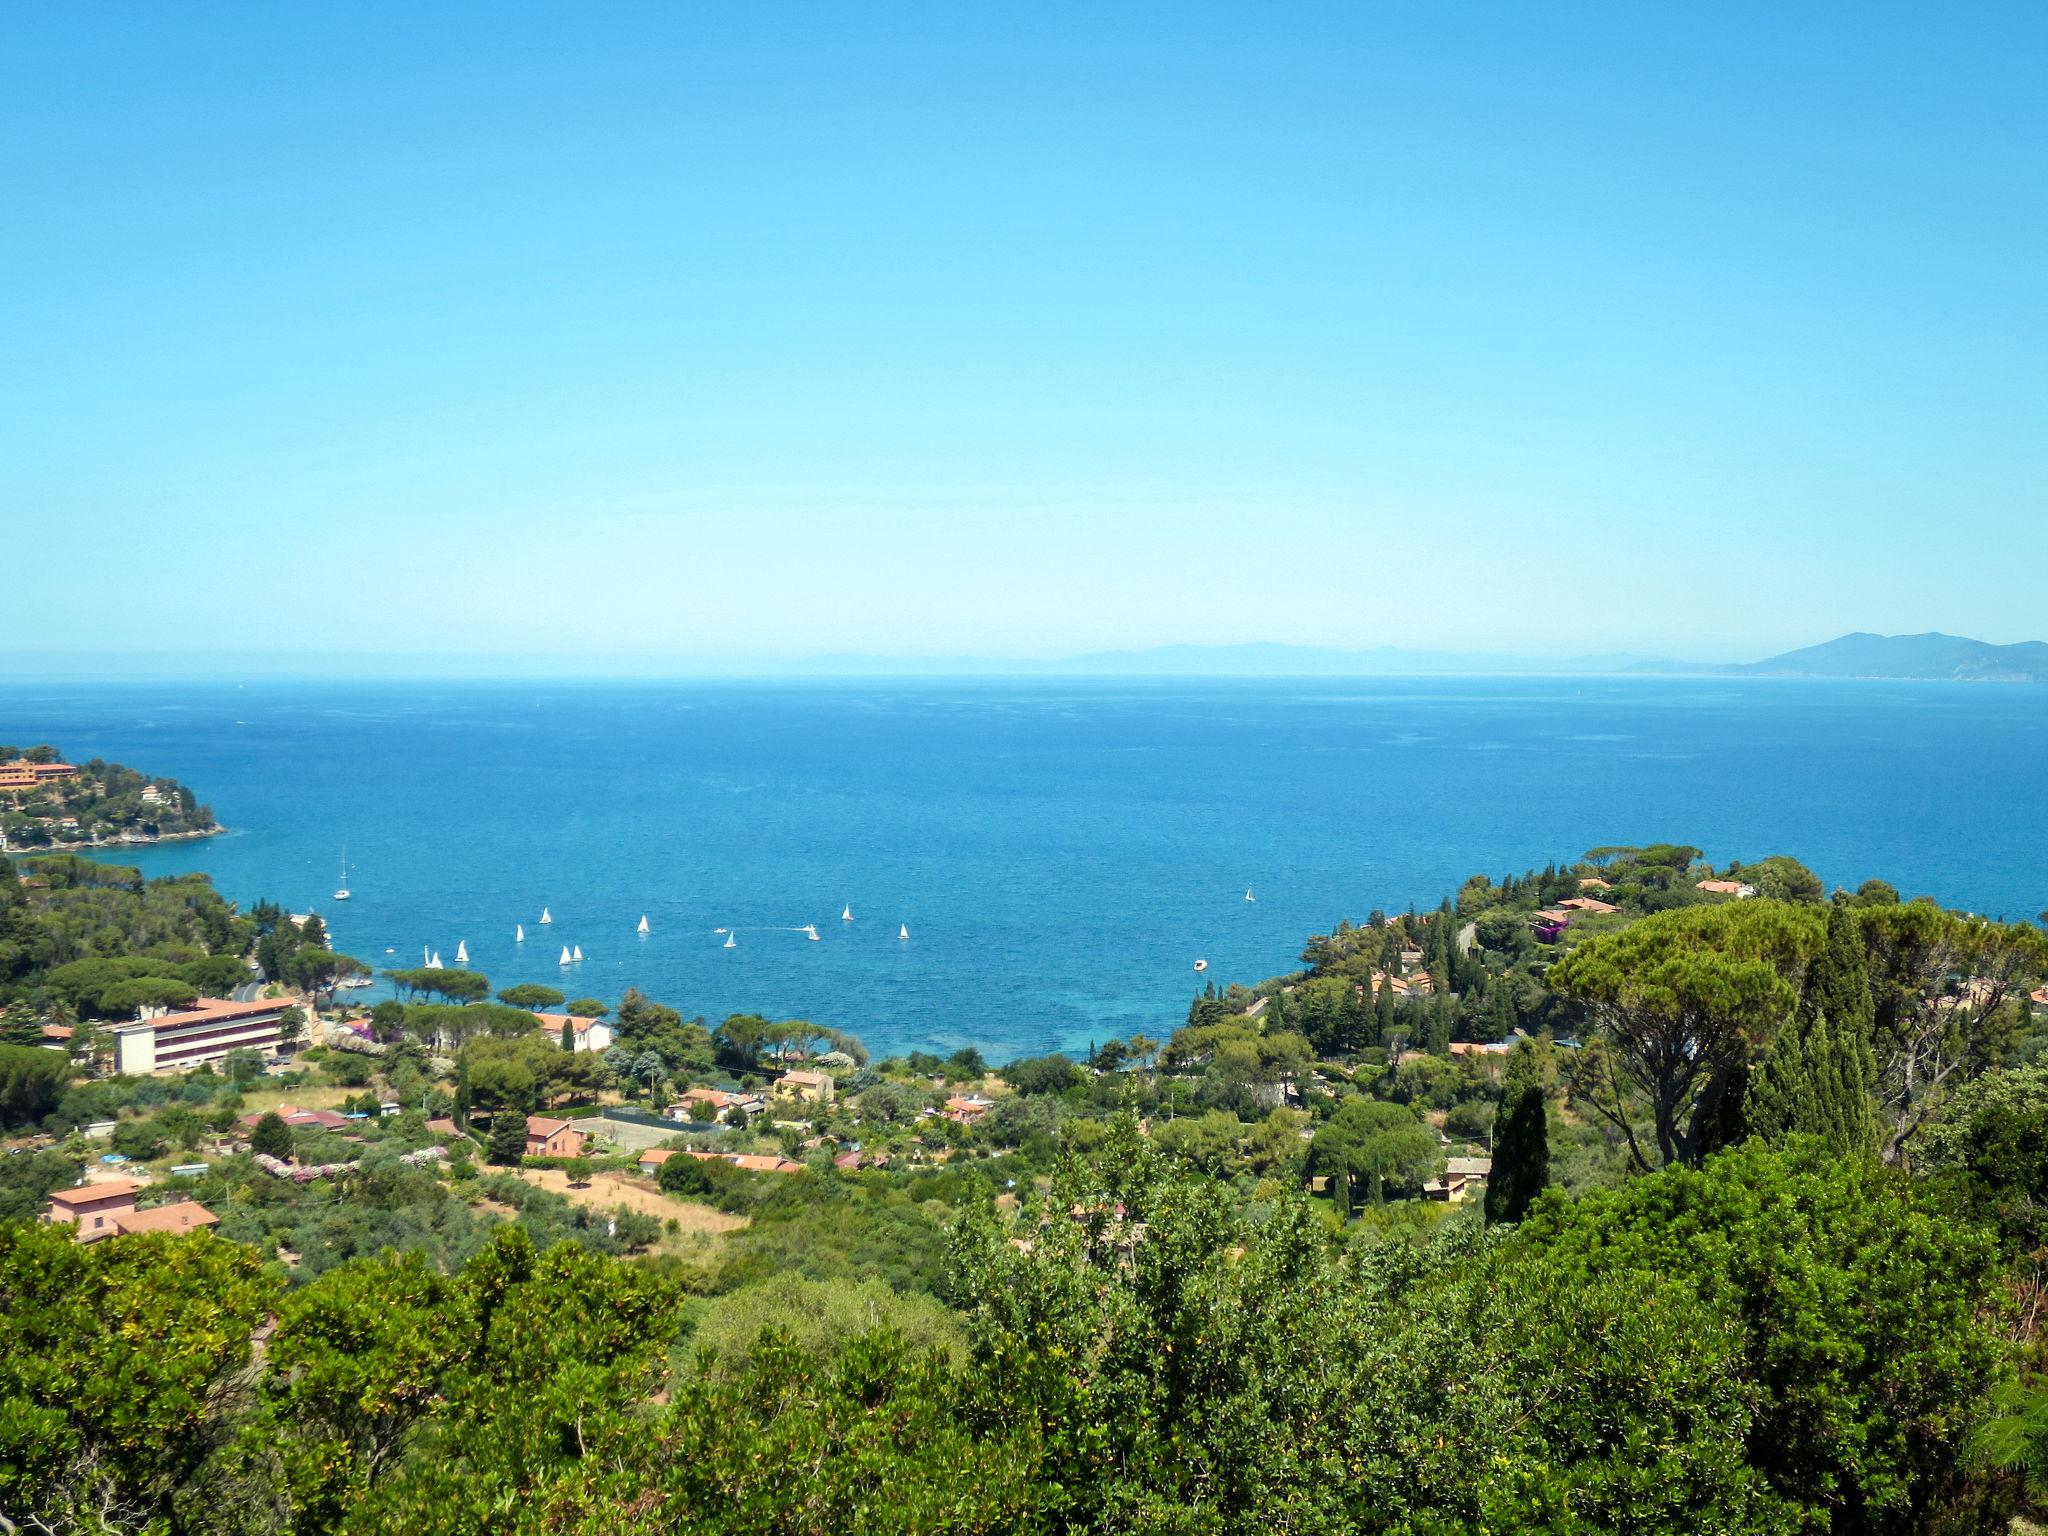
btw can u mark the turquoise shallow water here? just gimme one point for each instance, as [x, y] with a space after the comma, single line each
[1061, 851]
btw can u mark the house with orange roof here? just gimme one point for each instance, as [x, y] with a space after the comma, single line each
[967, 1109]
[94, 1209]
[588, 1034]
[1735, 888]
[552, 1138]
[771, 1163]
[178, 1218]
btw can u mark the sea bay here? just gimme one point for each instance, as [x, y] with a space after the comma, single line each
[1061, 851]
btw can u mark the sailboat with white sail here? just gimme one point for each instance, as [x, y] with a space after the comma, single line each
[1248, 896]
[642, 930]
[731, 940]
[519, 933]
[576, 953]
[545, 919]
[341, 891]
[903, 932]
[435, 963]
[847, 915]
[462, 952]
[565, 955]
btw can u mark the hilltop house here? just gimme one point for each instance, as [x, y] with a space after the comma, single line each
[588, 1035]
[815, 1087]
[1733, 888]
[108, 1210]
[1462, 1178]
[552, 1138]
[967, 1109]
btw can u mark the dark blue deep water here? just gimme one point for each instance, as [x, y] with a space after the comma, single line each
[1062, 851]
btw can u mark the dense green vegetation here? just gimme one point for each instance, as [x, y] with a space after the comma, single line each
[1758, 1249]
[102, 802]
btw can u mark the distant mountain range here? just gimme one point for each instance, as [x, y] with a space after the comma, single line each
[1905, 658]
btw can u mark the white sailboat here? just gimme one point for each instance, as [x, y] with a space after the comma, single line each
[462, 952]
[577, 954]
[544, 918]
[847, 915]
[341, 892]
[732, 941]
[519, 933]
[565, 956]
[426, 956]
[903, 932]
[1248, 896]
[811, 932]
[643, 924]
[435, 963]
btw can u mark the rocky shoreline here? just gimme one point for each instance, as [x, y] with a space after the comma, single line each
[130, 840]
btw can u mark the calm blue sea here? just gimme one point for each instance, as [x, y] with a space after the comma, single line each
[1062, 852]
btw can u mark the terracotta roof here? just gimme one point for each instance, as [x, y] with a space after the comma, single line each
[208, 1009]
[86, 1194]
[544, 1128]
[555, 1021]
[187, 1216]
[756, 1164]
[657, 1156]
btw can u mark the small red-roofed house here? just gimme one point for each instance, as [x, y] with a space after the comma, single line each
[178, 1219]
[94, 1209]
[552, 1138]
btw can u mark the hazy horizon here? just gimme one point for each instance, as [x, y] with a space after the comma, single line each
[1247, 660]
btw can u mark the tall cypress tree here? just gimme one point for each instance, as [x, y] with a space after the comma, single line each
[1521, 1139]
[1838, 981]
[1436, 1038]
[1819, 1076]
[569, 1034]
[462, 1094]
[1815, 1081]
[1383, 1009]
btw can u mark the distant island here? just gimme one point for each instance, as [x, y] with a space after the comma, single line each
[1897, 658]
[46, 802]
[1928, 658]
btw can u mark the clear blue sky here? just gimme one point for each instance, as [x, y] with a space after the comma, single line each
[709, 335]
